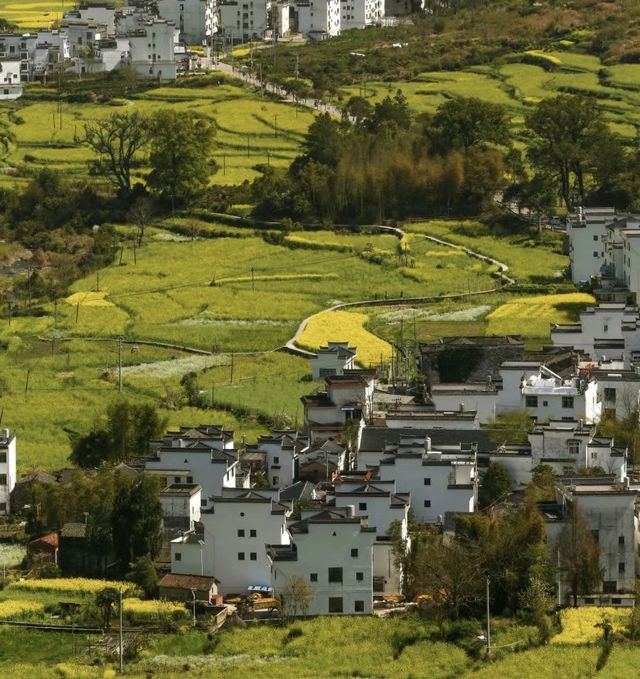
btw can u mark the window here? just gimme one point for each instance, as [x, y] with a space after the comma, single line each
[362, 506]
[610, 394]
[531, 401]
[567, 401]
[427, 482]
[595, 534]
[3, 479]
[621, 568]
[359, 576]
[335, 575]
[3, 457]
[358, 606]
[253, 533]
[203, 503]
[573, 447]
[313, 577]
[621, 541]
[427, 503]
[240, 532]
[276, 460]
[595, 254]
[240, 556]
[176, 479]
[545, 404]
[253, 556]
[609, 587]
[606, 328]
[276, 480]
[354, 553]
[335, 604]
[178, 556]
[189, 479]
[595, 238]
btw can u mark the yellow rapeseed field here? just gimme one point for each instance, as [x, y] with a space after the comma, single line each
[16, 608]
[537, 312]
[89, 299]
[579, 624]
[153, 609]
[345, 326]
[81, 586]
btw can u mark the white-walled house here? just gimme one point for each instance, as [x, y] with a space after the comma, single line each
[333, 359]
[333, 551]
[181, 505]
[202, 455]
[382, 506]
[438, 481]
[280, 451]
[587, 234]
[319, 19]
[610, 511]
[151, 49]
[348, 397]
[7, 469]
[474, 396]
[10, 83]
[244, 19]
[618, 390]
[236, 529]
[530, 386]
[196, 19]
[565, 446]
[361, 13]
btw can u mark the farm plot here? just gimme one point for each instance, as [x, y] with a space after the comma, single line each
[251, 131]
[532, 316]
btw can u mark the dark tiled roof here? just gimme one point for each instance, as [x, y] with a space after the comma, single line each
[74, 530]
[375, 438]
[301, 490]
[177, 581]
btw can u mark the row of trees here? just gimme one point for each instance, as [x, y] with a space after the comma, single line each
[383, 161]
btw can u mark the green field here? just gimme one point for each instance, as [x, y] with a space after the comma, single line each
[391, 648]
[251, 131]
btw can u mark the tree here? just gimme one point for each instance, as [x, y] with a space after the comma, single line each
[117, 141]
[324, 141]
[571, 140]
[466, 122]
[136, 519]
[180, 153]
[141, 213]
[143, 573]
[91, 450]
[495, 485]
[295, 597]
[537, 601]
[105, 600]
[579, 554]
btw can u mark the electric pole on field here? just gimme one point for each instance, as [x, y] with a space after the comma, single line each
[120, 364]
[253, 279]
[121, 644]
[488, 620]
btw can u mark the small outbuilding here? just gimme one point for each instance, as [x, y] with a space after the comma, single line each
[183, 587]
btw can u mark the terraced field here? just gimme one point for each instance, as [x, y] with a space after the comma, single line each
[251, 131]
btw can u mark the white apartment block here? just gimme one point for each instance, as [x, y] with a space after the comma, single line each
[151, 49]
[7, 469]
[10, 80]
[197, 20]
[361, 13]
[333, 551]
[319, 19]
[244, 19]
[530, 386]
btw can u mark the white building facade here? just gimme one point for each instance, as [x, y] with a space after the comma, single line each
[7, 469]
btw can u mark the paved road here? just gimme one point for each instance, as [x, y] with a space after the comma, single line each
[251, 79]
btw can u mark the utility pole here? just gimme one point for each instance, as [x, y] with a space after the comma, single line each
[253, 280]
[297, 66]
[121, 644]
[26, 384]
[97, 281]
[193, 594]
[488, 620]
[231, 375]
[120, 364]
[275, 125]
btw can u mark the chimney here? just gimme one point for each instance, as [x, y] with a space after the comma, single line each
[427, 444]
[461, 407]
